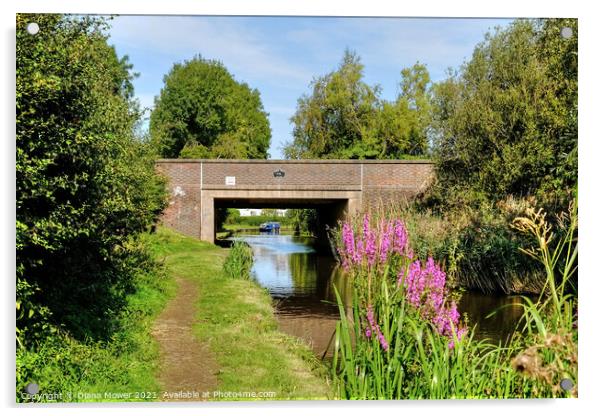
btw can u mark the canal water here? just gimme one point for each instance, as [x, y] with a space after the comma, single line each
[301, 281]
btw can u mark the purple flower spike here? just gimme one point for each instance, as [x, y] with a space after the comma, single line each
[374, 327]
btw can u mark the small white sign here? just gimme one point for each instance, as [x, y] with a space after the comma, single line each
[231, 180]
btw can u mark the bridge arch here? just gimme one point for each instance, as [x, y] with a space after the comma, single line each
[197, 187]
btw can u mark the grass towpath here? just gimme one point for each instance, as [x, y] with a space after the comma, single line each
[239, 353]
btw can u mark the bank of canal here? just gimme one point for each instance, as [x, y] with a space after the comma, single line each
[300, 280]
[247, 356]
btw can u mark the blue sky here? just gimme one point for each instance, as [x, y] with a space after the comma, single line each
[280, 55]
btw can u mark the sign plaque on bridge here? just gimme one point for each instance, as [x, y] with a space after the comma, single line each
[279, 174]
[230, 180]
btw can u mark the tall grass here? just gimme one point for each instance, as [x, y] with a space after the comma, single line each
[400, 338]
[239, 261]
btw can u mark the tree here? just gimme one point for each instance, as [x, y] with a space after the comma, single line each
[403, 125]
[345, 118]
[337, 116]
[270, 213]
[202, 112]
[232, 216]
[506, 122]
[85, 185]
[304, 220]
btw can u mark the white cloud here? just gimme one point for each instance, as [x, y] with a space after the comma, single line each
[280, 56]
[440, 43]
[243, 50]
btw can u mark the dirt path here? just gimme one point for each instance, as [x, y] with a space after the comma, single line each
[187, 366]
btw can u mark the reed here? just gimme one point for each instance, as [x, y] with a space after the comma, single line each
[239, 261]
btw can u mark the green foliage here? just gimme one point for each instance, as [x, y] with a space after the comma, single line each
[195, 151]
[477, 246]
[232, 216]
[203, 112]
[506, 122]
[551, 353]
[304, 221]
[345, 118]
[485, 256]
[239, 261]
[128, 361]
[85, 185]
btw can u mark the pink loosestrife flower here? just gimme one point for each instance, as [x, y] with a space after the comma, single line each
[370, 247]
[348, 239]
[359, 253]
[385, 241]
[366, 225]
[425, 290]
[347, 251]
[375, 328]
[424, 283]
[374, 246]
[400, 240]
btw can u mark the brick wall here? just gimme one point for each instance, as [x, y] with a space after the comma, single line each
[250, 175]
[384, 182]
[183, 213]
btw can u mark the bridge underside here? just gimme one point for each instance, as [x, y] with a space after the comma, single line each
[331, 205]
[277, 203]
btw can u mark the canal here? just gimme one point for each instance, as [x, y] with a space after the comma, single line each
[300, 280]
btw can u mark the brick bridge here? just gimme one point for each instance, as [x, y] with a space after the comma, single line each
[335, 187]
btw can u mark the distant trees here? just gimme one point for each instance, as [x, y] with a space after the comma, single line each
[506, 122]
[85, 186]
[345, 118]
[203, 112]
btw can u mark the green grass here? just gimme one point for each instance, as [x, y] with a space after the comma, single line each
[84, 371]
[237, 319]
[236, 227]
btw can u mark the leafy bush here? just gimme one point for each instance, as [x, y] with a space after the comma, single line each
[86, 186]
[128, 361]
[506, 121]
[304, 220]
[477, 247]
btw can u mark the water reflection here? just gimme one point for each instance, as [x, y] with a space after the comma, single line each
[499, 326]
[302, 282]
